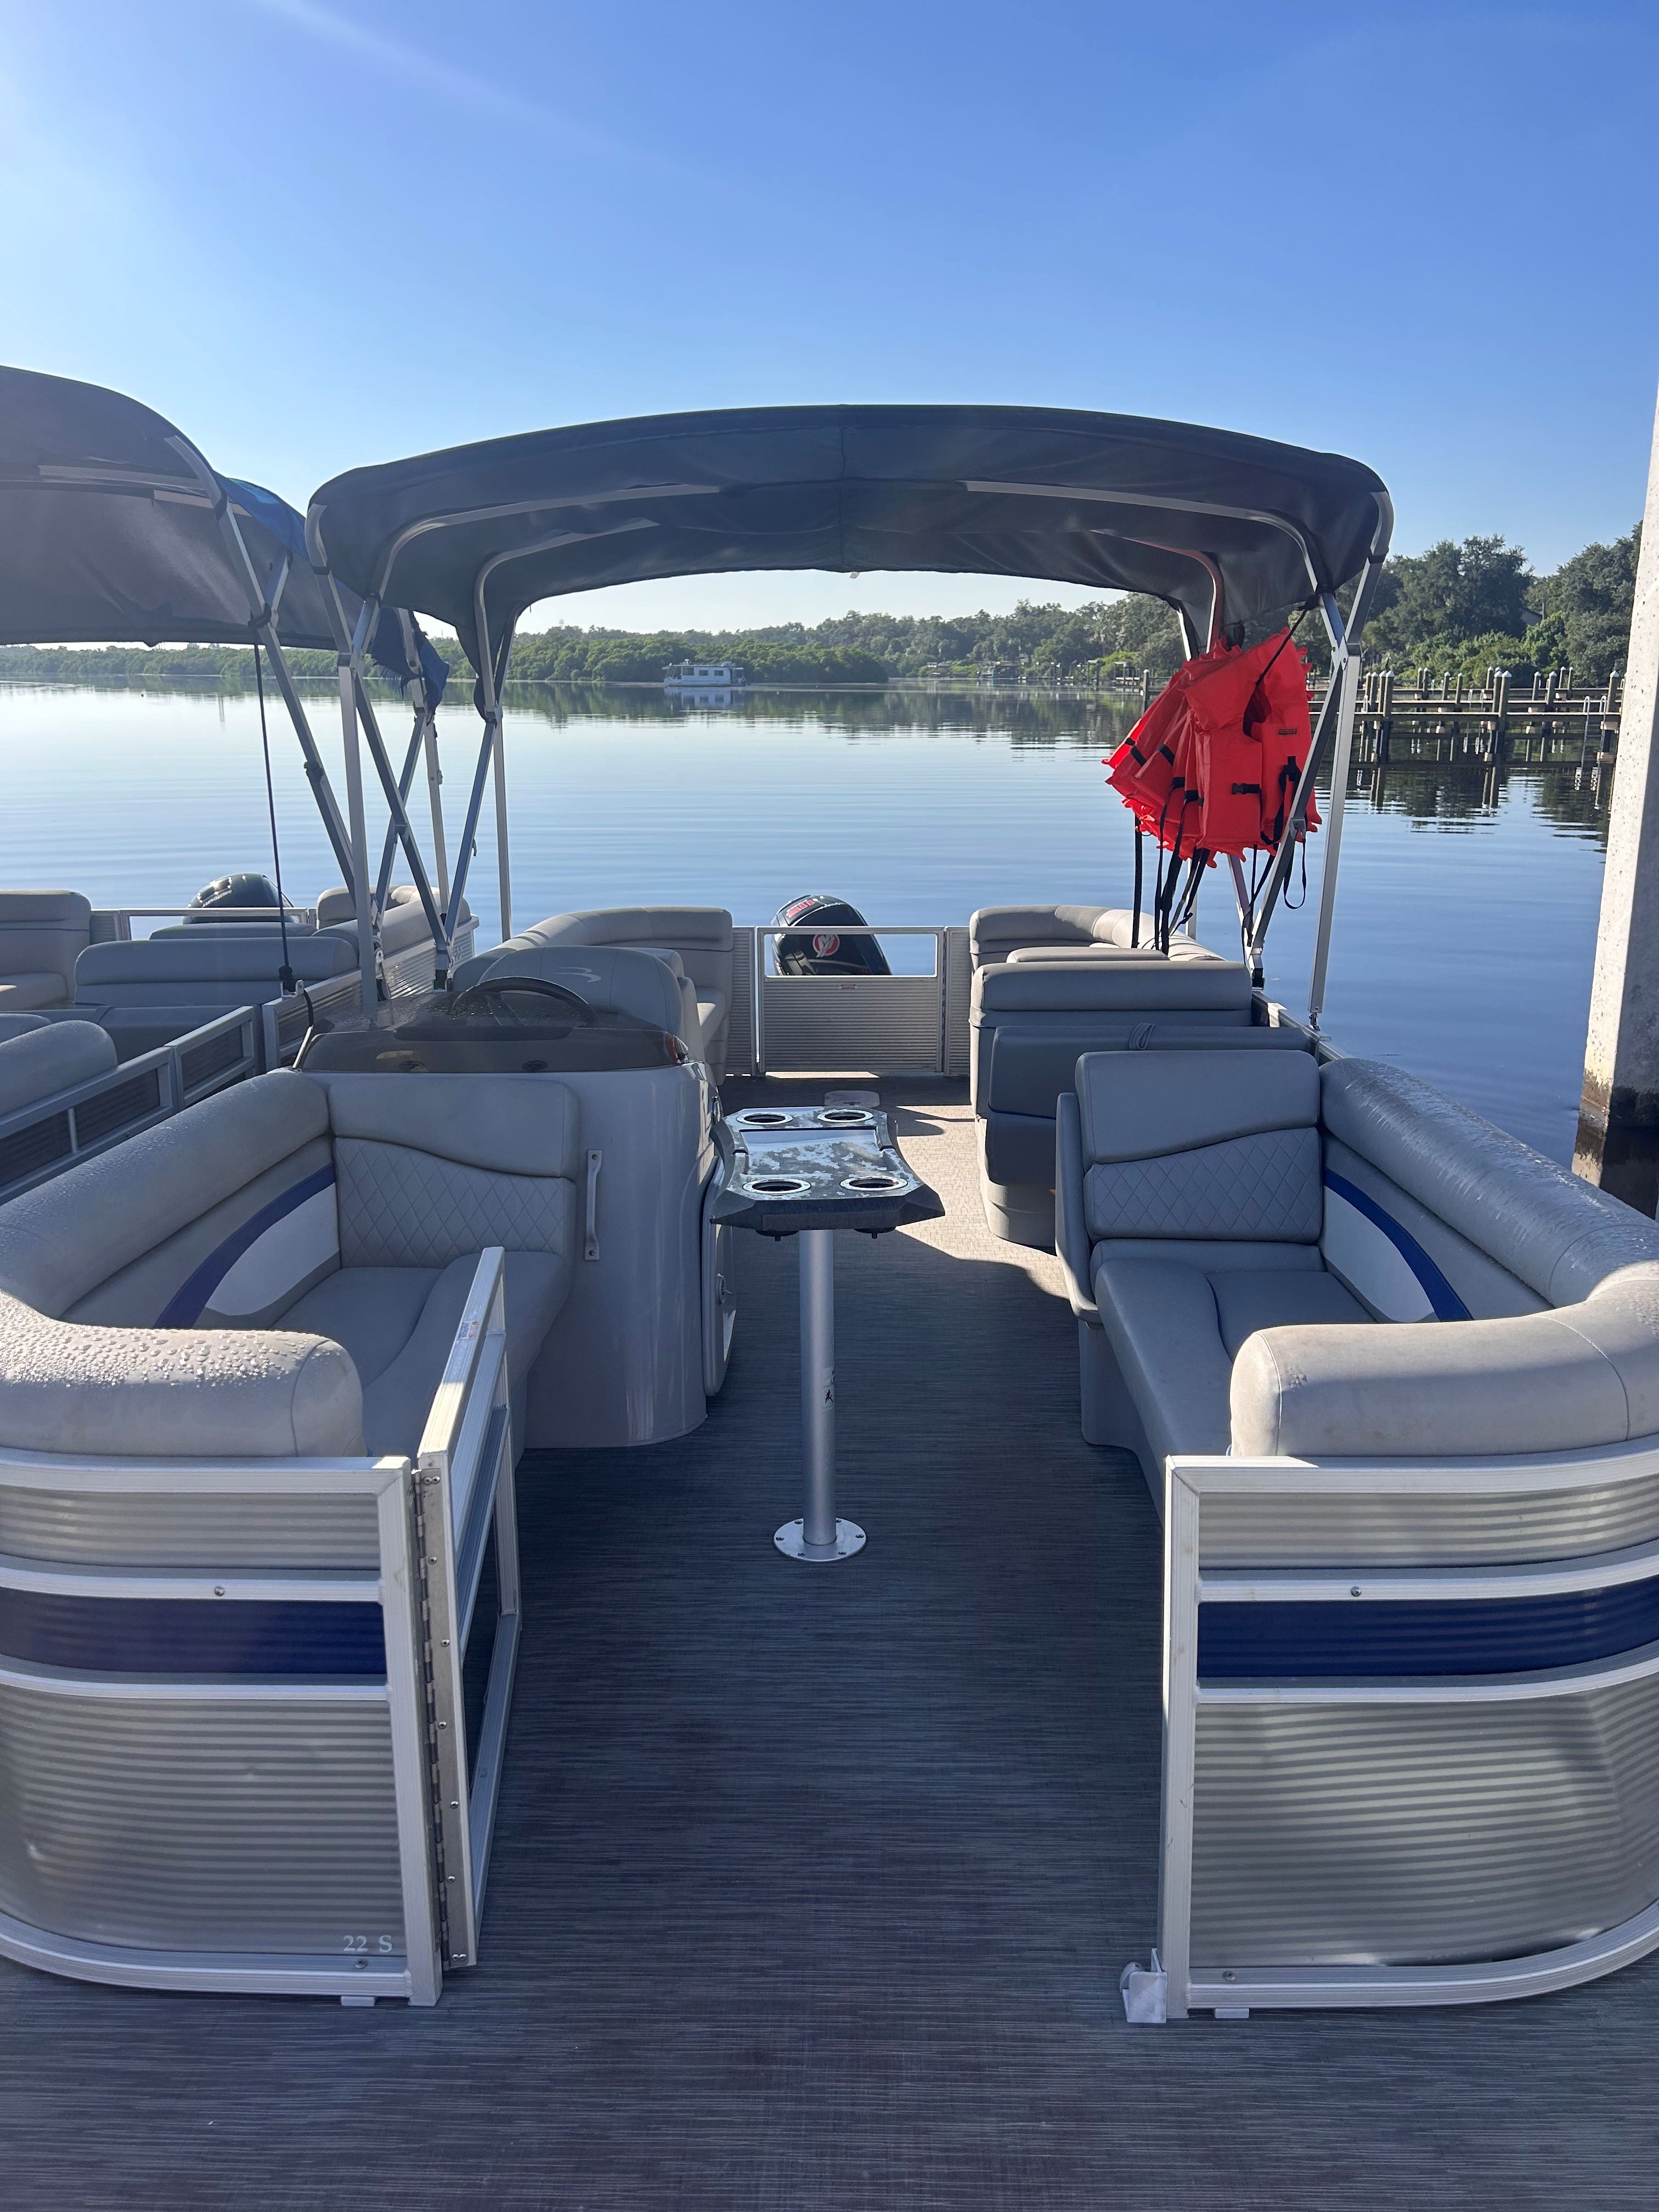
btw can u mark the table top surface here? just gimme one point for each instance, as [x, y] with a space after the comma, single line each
[792, 1168]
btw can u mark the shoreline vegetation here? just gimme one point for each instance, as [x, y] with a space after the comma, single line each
[1456, 608]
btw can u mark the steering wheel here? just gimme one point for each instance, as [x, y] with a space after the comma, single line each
[482, 996]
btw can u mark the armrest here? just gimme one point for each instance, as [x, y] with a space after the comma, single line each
[175, 1393]
[1567, 1380]
[1070, 1229]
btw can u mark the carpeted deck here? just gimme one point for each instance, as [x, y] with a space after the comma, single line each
[812, 1885]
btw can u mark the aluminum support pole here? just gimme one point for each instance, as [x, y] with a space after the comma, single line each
[1340, 760]
[401, 826]
[405, 781]
[368, 964]
[817, 1535]
[434, 778]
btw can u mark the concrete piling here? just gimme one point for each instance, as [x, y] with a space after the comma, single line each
[1618, 1144]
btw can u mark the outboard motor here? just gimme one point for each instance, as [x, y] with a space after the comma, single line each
[240, 890]
[817, 947]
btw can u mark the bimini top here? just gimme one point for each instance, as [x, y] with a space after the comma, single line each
[111, 532]
[1193, 516]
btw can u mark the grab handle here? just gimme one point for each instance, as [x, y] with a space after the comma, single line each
[591, 1241]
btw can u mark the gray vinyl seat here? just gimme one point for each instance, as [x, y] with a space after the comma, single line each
[41, 932]
[1273, 1258]
[998, 933]
[281, 1268]
[1029, 1020]
[149, 990]
[218, 967]
[1203, 1203]
[44, 1058]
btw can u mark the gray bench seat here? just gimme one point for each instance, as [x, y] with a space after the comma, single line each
[292, 1212]
[1271, 1259]
[1000, 933]
[40, 934]
[398, 1324]
[1029, 1019]
[39, 1061]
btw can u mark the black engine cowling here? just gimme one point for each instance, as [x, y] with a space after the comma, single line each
[233, 892]
[817, 947]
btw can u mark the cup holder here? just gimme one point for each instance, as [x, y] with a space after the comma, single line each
[846, 1117]
[778, 1186]
[762, 1117]
[873, 1183]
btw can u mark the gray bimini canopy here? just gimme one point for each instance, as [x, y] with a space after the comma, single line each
[111, 530]
[115, 530]
[1226, 529]
[1111, 500]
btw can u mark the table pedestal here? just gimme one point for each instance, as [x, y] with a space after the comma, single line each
[817, 1535]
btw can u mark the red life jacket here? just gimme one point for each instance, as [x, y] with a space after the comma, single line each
[1145, 771]
[1213, 763]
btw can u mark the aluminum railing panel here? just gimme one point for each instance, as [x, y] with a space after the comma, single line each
[89, 1527]
[888, 1024]
[1451, 1529]
[206, 1820]
[1374, 1834]
[740, 1015]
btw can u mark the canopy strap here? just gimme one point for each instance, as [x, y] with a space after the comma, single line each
[286, 976]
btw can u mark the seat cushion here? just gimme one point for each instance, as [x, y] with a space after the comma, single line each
[19, 995]
[1160, 1318]
[1175, 1330]
[1249, 1299]
[398, 1324]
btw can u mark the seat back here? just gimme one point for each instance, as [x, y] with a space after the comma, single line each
[220, 1217]
[1200, 1146]
[37, 1063]
[1082, 1005]
[206, 966]
[1431, 1212]
[41, 932]
[431, 1168]
[995, 932]
[702, 935]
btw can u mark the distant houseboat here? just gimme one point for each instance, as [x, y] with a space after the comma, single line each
[705, 676]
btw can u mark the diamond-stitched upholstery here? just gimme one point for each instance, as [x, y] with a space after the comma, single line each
[400, 1208]
[1265, 1187]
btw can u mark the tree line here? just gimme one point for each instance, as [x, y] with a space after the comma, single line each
[1458, 607]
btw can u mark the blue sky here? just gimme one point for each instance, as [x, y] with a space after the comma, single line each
[318, 234]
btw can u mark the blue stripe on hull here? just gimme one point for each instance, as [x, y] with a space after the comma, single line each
[191, 1636]
[1474, 1636]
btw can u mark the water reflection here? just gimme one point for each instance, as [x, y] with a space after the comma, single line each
[1471, 873]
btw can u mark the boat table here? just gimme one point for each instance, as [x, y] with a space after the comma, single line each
[812, 1172]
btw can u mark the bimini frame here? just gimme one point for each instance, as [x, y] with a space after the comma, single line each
[443, 911]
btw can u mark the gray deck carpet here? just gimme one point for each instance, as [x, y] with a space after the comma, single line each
[812, 1884]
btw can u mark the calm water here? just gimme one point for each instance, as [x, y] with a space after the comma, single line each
[1466, 926]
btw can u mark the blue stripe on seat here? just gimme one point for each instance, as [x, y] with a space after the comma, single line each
[1329, 1639]
[184, 1308]
[192, 1636]
[1447, 1305]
